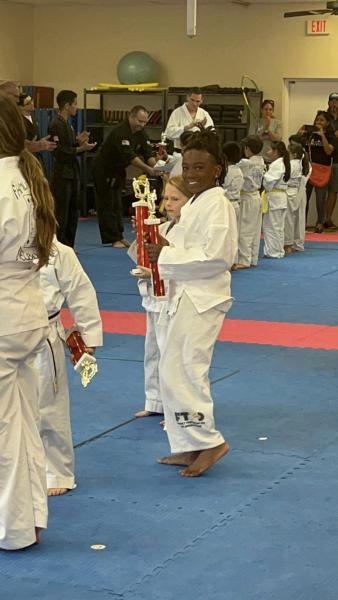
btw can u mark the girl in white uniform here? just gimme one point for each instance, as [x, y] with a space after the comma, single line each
[250, 216]
[63, 279]
[294, 227]
[27, 226]
[275, 182]
[197, 264]
[175, 196]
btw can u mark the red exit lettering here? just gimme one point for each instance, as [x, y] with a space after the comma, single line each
[318, 26]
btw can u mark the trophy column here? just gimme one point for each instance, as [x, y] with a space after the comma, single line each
[141, 191]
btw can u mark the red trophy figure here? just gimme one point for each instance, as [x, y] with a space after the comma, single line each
[84, 363]
[153, 236]
[141, 191]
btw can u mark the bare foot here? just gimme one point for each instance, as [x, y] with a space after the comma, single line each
[239, 266]
[57, 491]
[183, 458]
[162, 423]
[37, 534]
[205, 460]
[143, 413]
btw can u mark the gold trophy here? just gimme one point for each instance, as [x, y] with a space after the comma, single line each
[84, 363]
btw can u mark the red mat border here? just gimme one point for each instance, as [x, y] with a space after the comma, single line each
[271, 333]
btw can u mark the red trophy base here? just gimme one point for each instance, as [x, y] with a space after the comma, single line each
[153, 236]
[141, 214]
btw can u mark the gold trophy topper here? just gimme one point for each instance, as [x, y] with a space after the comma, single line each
[141, 188]
[88, 371]
[151, 201]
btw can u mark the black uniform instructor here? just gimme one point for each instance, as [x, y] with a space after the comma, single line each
[127, 144]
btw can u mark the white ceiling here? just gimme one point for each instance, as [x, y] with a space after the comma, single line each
[301, 3]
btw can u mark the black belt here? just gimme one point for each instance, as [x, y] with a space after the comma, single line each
[50, 317]
[178, 150]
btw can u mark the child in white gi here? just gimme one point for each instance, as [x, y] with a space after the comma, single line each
[175, 196]
[294, 226]
[275, 182]
[250, 216]
[197, 264]
[234, 180]
[63, 279]
[27, 227]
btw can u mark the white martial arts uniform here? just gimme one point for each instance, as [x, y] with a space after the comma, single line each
[273, 220]
[63, 279]
[250, 214]
[300, 224]
[23, 328]
[156, 330]
[232, 185]
[177, 168]
[180, 117]
[197, 265]
[291, 224]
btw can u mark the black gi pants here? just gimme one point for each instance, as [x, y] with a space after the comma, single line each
[65, 192]
[109, 206]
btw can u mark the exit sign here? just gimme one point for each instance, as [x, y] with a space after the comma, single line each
[317, 27]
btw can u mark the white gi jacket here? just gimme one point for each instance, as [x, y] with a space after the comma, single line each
[180, 117]
[233, 183]
[21, 302]
[275, 185]
[253, 169]
[203, 249]
[64, 279]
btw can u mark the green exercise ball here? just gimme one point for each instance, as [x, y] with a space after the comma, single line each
[137, 67]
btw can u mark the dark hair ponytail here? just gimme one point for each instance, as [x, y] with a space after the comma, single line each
[297, 151]
[283, 153]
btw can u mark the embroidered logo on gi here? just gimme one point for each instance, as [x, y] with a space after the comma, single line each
[186, 419]
[125, 143]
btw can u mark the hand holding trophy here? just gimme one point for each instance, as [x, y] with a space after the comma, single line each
[84, 363]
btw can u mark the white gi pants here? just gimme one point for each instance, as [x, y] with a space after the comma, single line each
[184, 378]
[273, 228]
[300, 223]
[237, 206]
[291, 216]
[23, 491]
[153, 346]
[55, 428]
[250, 226]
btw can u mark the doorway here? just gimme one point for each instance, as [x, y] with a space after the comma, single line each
[302, 97]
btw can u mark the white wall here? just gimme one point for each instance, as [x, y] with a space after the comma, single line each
[79, 47]
[16, 42]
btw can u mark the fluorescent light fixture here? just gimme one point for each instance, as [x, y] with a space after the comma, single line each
[191, 17]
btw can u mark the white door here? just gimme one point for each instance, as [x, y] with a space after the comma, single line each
[302, 99]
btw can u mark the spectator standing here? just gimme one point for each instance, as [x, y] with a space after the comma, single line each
[65, 172]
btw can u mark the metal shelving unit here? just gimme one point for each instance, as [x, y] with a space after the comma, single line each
[120, 101]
